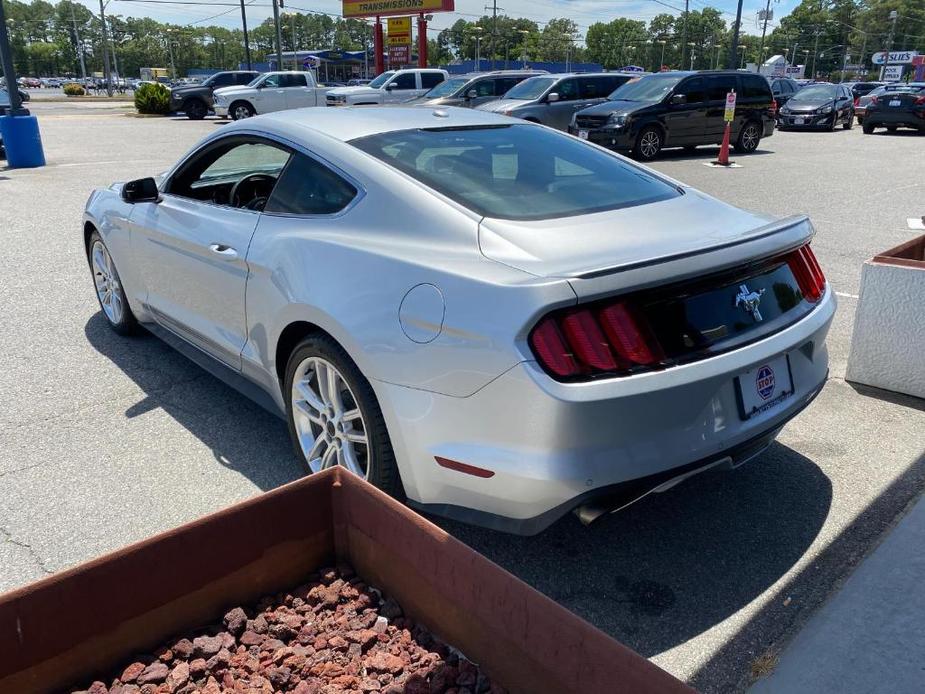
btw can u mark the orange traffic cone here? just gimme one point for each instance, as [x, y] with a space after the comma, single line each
[723, 159]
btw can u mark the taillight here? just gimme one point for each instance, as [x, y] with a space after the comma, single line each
[857, 100]
[773, 107]
[808, 274]
[919, 100]
[873, 100]
[590, 341]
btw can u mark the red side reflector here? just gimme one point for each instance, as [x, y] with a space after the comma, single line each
[462, 467]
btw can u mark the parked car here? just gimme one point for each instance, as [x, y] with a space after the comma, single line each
[273, 91]
[859, 89]
[818, 106]
[860, 106]
[783, 89]
[475, 88]
[493, 320]
[391, 87]
[197, 100]
[898, 108]
[679, 109]
[553, 99]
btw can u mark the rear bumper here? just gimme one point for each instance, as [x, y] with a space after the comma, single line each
[551, 447]
[910, 119]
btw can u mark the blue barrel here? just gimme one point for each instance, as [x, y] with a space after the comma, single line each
[22, 141]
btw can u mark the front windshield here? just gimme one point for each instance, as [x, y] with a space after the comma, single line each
[381, 79]
[257, 80]
[816, 92]
[517, 171]
[447, 87]
[649, 89]
[531, 88]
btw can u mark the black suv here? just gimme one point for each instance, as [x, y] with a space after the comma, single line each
[679, 109]
[196, 100]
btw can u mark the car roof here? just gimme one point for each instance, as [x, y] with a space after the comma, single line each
[502, 73]
[351, 122]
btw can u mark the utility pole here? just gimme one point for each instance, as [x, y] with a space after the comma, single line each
[734, 48]
[247, 43]
[864, 54]
[279, 36]
[812, 72]
[173, 68]
[684, 32]
[6, 61]
[889, 43]
[79, 46]
[106, 74]
[764, 31]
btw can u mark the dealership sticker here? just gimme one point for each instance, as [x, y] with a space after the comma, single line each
[764, 382]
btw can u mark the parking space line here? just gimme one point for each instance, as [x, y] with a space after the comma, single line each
[847, 296]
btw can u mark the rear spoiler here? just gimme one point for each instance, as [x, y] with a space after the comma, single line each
[770, 239]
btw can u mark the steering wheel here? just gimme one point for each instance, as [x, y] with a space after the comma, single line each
[234, 197]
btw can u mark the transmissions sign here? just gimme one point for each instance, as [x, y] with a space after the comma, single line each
[387, 8]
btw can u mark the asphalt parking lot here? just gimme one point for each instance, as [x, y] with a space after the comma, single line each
[106, 440]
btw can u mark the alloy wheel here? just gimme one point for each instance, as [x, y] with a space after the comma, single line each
[241, 111]
[750, 138]
[108, 288]
[328, 421]
[649, 144]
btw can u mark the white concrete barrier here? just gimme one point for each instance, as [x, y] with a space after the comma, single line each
[888, 345]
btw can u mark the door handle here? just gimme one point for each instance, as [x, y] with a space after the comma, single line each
[226, 252]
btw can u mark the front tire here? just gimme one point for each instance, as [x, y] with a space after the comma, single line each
[195, 109]
[748, 138]
[109, 290]
[867, 128]
[648, 143]
[849, 123]
[334, 417]
[240, 110]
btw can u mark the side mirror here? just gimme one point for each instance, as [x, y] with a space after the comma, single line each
[552, 97]
[141, 190]
[390, 86]
[261, 85]
[471, 94]
[678, 99]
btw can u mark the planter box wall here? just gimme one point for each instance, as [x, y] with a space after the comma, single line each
[89, 619]
[888, 344]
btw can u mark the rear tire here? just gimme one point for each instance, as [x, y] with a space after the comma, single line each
[749, 138]
[850, 123]
[867, 128]
[240, 110]
[648, 143]
[334, 424]
[891, 128]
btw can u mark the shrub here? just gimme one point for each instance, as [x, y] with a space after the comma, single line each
[72, 89]
[152, 98]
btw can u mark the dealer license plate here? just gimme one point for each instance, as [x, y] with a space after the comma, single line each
[583, 134]
[764, 387]
[798, 121]
[895, 102]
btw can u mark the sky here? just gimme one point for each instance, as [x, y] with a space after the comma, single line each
[583, 12]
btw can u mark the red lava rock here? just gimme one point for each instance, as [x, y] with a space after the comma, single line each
[206, 646]
[153, 674]
[235, 621]
[179, 676]
[331, 635]
[130, 674]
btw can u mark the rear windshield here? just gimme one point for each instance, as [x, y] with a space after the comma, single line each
[517, 171]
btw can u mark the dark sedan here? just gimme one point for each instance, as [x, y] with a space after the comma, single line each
[896, 109]
[818, 106]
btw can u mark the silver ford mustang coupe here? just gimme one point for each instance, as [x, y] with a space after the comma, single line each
[492, 320]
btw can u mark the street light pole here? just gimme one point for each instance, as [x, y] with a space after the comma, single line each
[279, 36]
[764, 30]
[106, 74]
[662, 62]
[6, 60]
[889, 43]
[79, 46]
[684, 32]
[247, 43]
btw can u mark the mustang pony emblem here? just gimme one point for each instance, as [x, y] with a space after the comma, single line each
[750, 301]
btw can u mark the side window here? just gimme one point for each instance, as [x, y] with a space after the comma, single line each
[431, 79]
[211, 175]
[693, 90]
[503, 84]
[223, 81]
[718, 86]
[567, 89]
[404, 81]
[754, 87]
[243, 78]
[292, 81]
[592, 87]
[308, 187]
[484, 88]
[272, 82]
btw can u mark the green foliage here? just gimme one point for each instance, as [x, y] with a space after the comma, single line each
[152, 98]
[73, 89]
